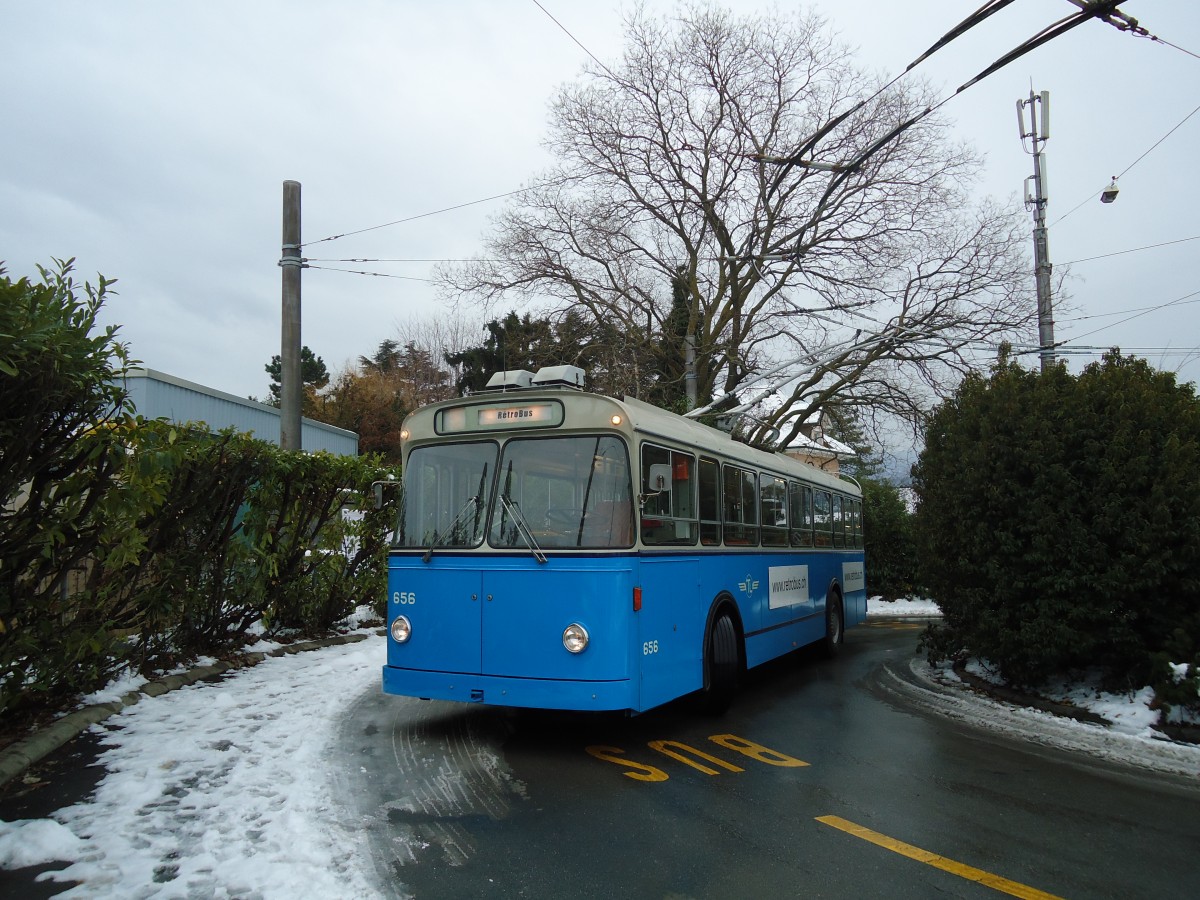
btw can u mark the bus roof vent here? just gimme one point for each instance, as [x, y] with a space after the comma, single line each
[559, 376]
[513, 380]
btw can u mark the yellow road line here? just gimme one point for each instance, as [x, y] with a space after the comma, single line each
[970, 873]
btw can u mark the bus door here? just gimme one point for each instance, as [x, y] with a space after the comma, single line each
[444, 604]
[670, 628]
[527, 606]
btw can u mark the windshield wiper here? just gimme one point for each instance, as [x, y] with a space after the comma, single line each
[449, 529]
[523, 528]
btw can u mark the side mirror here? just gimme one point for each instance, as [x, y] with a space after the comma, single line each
[377, 487]
[660, 478]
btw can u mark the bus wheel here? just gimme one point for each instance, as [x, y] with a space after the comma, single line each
[835, 633]
[721, 663]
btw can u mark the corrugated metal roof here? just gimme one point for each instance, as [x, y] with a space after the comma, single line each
[157, 395]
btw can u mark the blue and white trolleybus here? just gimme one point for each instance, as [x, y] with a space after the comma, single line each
[565, 550]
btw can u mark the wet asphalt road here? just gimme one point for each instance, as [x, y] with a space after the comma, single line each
[818, 782]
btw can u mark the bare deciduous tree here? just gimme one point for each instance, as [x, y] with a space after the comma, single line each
[875, 286]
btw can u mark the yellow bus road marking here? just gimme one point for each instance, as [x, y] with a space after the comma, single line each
[970, 873]
[690, 756]
[895, 626]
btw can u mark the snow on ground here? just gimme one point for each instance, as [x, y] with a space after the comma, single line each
[1130, 741]
[224, 789]
[218, 790]
[912, 606]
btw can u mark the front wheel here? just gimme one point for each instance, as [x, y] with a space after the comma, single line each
[835, 633]
[721, 664]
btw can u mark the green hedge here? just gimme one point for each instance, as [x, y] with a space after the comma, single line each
[239, 532]
[129, 541]
[1059, 521]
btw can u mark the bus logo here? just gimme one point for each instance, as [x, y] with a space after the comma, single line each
[748, 587]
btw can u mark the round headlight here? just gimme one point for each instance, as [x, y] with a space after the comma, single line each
[575, 638]
[401, 629]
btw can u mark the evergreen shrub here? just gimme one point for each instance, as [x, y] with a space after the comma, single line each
[61, 459]
[890, 554]
[1058, 522]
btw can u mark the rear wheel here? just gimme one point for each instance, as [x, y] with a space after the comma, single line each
[721, 664]
[835, 633]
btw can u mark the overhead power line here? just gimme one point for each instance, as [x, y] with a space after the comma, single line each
[360, 259]
[436, 212]
[1125, 312]
[1133, 250]
[1137, 315]
[572, 37]
[374, 274]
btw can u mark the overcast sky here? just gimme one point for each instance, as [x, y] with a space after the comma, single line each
[150, 141]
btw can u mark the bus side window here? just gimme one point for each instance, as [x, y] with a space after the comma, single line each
[668, 496]
[822, 519]
[800, 500]
[839, 522]
[710, 502]
[741, 506]
[774, 516]
[858, 524]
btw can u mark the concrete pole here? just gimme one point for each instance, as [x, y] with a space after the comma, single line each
[291, 387]
[1041, 240]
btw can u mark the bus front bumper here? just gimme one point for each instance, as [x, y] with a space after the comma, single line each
[496, 690]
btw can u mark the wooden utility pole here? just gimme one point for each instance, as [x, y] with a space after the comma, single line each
[291, 387]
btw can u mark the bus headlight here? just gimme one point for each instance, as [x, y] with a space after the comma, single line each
[401, 629]
[575, 638]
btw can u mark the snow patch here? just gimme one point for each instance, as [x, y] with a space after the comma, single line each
[34, 842]
[912, 606]
[218, 790]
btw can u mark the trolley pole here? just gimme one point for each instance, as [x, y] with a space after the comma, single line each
[1037, 202]
[289, 353]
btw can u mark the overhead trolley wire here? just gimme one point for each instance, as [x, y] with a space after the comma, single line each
[1089, 9]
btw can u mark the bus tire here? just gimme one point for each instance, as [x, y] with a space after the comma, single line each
[835, 625]
[721, 664]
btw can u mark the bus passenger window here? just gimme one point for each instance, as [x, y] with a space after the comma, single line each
[858, 524]
[822, 519]
[774, 516]
[839, 523]
[800, 501]
[668, 496]
[741, 507]
[710, 502]
[853, 522]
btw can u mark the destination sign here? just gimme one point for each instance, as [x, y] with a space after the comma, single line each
[536, 413]
[496, 417]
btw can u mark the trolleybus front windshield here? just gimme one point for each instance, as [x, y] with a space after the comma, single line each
[446, 492]
[559, 492]
[570, 492]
